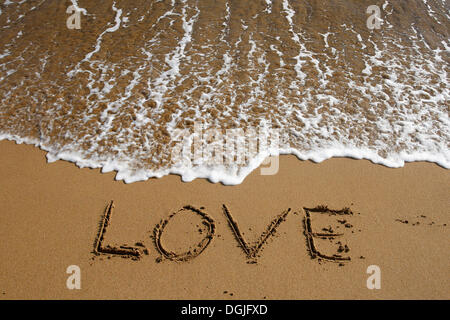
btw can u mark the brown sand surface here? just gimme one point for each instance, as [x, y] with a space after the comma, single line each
[50, 216]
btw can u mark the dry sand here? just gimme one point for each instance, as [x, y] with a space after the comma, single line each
[50, 216]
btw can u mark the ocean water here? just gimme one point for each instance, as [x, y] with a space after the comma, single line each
[310, 76]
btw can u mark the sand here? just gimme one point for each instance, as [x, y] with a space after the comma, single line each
[51, 216]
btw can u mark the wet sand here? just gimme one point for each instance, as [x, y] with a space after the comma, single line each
[114, 92]
[50, 215]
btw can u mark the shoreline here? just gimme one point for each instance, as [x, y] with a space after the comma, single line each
[191, 173]
[51, 212]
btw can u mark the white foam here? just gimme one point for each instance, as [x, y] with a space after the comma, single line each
[77, 8]
[235, 175]
[420, 130]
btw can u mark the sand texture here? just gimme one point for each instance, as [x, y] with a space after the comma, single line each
[308, 232]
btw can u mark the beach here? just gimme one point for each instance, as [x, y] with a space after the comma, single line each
[134, 134]
[122, 85]
[51, 214]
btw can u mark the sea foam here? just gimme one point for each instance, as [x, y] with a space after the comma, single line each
[113, 94]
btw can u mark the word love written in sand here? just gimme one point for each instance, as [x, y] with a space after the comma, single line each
[208, 228]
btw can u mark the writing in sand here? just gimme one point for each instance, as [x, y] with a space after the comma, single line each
[207, 229]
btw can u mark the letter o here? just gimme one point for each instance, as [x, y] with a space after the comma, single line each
[202, 245]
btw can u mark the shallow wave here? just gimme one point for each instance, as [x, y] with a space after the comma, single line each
[112, 94]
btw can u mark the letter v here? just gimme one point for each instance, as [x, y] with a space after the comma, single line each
[252, 251]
